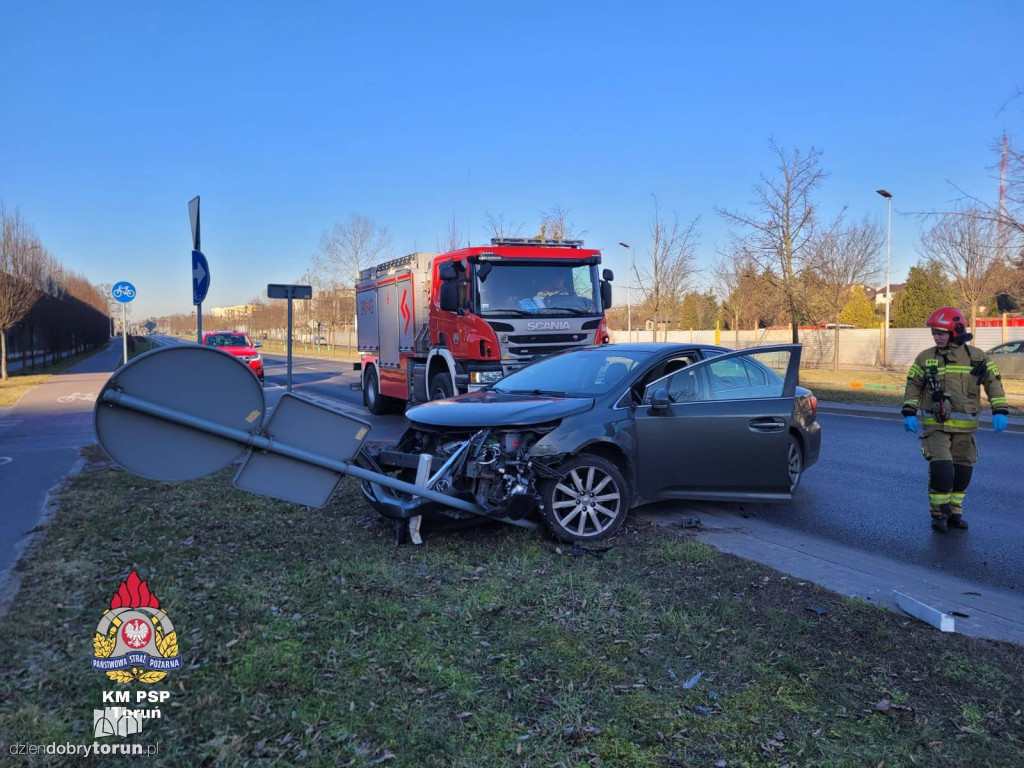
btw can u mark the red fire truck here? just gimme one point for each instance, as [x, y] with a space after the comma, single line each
[434, 325]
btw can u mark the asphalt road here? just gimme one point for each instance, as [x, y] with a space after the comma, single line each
[868, 490]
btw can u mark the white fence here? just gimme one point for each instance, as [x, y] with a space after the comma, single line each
[858, 347]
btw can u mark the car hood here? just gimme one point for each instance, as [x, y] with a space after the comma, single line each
[492, 409]
[240, 351]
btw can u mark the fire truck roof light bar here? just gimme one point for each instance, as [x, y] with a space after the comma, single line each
[536, 241]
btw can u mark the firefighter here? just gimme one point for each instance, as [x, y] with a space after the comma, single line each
[945, 383]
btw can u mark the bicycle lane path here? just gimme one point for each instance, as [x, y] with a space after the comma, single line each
[40, 439]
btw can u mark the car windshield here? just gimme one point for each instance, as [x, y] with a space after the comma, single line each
[227, 340]
[574, 373]
[539, 289]
[1002, 349]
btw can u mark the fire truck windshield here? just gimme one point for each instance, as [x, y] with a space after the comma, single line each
[513, 289]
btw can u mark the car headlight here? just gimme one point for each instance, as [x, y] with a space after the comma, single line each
[250, 358]
[485, 377]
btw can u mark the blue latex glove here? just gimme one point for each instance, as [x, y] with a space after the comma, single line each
[999, 422]
[910, 424]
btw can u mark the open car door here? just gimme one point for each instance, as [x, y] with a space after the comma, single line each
[720, 429]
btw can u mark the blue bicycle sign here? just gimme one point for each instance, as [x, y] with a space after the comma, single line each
[123, 291]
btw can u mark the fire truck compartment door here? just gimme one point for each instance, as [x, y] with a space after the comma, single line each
[369, 338]
[388, 322]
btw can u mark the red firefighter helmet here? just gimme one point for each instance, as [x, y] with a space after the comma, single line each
[950, 319]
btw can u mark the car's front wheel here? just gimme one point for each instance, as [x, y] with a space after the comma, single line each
[587, 502]
[795, 463]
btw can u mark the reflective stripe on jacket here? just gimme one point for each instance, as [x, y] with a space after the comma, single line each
[954, 371]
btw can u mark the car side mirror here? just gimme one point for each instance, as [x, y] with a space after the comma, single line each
[606, 294]
[659, 400]
[607, 275]
[449, 295]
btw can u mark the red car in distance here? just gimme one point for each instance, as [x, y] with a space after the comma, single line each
[239, 345]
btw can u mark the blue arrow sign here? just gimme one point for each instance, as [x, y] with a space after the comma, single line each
[200, 277]
[123, 291]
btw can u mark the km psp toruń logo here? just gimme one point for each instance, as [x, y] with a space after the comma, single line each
[135, 641]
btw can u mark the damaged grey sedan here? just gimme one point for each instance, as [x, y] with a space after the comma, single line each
[580, 437]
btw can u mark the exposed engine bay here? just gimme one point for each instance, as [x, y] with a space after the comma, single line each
[491, 467]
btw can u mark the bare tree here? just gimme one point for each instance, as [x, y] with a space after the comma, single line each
[451, 240]
[1007, 214]
[1011, 221]
[109, 301]
[554, 225]
[333, 307]
[735, 281]
[964, 245]
[670, 271]
[24, 267]
[502, 228]
[1012, 213]
[303, 312]
[778, 234]
[843, 260]
[1009, 210]
[350, 246]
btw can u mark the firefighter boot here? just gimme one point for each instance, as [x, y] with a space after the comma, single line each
[956, 520]
[956, 512]
[939, 517]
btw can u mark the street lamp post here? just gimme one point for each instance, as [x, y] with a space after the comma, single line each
[629, 291]
[888, 298]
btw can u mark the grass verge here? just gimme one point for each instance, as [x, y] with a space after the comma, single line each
[880, 388]
[310, 639]
[326, 351]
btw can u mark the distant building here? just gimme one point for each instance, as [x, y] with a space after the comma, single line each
[877, 295]
[232, 311]
[240, 310]
[664, 324]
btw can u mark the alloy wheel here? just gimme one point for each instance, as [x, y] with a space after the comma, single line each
[796, 464]
[586, 501]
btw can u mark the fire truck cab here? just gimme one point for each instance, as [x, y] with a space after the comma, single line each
[435, 325]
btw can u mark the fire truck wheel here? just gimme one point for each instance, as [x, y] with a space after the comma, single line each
[375, 402]
[441, 387]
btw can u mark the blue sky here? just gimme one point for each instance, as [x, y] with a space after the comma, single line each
[288, 117]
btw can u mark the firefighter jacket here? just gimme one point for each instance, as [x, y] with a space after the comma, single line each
[958, 373]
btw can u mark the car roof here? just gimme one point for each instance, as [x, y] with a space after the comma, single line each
[656, 347]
